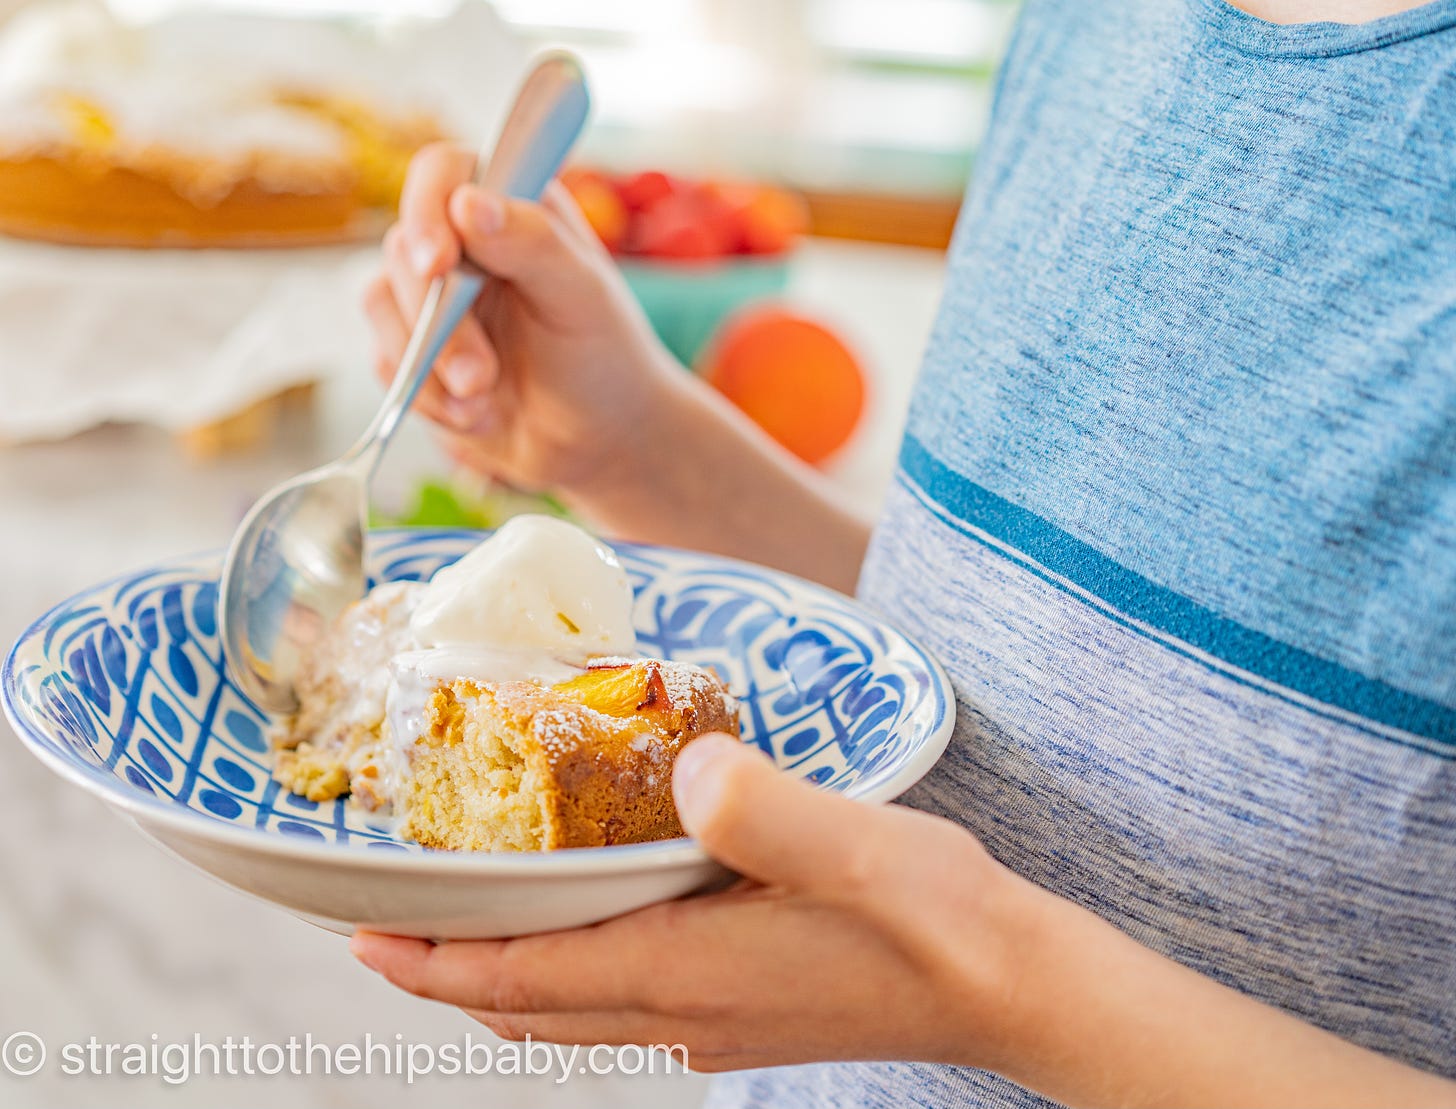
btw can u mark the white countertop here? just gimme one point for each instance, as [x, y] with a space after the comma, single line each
[100, 933]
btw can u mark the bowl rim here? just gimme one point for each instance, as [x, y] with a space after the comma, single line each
[684, 851]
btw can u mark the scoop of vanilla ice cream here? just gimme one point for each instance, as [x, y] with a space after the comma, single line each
[537, 584]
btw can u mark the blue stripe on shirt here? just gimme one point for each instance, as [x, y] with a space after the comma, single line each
[1172, 613]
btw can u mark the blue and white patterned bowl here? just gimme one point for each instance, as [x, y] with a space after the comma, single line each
[122, 690]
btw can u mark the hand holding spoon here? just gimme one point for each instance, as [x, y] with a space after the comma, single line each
[297, 559]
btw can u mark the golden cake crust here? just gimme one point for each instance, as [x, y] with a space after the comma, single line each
[598, 750]
[95, 190]
[71, 199]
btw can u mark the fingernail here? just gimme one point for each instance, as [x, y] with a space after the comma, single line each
[467, 413]
[486, 214]
[461, 376]
[359, 948]
[692, 773]
[423, 256]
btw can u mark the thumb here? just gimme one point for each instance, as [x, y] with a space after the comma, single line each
[525, 244]
[767, 825]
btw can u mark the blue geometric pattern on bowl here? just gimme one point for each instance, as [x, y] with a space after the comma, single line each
[125, 682]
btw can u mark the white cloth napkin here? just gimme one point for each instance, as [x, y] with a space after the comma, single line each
[172, 338]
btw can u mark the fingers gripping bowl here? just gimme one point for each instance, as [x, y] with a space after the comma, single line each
[122, 691]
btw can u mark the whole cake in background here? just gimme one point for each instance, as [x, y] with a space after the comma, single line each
[501, 706]
[199, 130]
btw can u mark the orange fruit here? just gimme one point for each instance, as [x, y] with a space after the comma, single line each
[792, 376]
[597, 198]
[773, 220]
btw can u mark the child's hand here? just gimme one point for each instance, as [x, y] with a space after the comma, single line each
[552, 378]
[884, 933]
[556, 381]
[871, 936]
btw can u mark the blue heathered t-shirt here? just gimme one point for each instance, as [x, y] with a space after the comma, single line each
[1177, 510]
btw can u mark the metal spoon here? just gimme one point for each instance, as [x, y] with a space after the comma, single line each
[297, 559]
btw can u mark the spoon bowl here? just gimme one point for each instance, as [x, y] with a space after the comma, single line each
[303, 547]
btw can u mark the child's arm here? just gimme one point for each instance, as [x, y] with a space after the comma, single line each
[884, 933]
[557, 381]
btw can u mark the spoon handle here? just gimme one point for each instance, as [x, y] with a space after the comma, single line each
[544, 122]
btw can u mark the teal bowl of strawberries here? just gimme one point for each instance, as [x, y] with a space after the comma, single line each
[692, 251]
